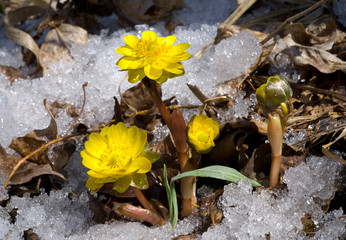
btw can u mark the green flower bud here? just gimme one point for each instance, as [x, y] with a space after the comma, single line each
[276, 93]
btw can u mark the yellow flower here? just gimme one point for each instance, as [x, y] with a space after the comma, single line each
[152, 56]
[118, 154]
[201, 132]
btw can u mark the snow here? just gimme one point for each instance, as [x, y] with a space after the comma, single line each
[253, 215]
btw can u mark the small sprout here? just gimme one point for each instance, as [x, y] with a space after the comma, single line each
[153, 57]
[274, 97]
[275, 94]
[201, 133]
[118, 155]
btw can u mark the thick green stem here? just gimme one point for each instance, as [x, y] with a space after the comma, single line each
[276, 127]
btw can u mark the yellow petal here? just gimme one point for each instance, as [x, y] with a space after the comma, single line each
[149, 36]
[150, 155]
[117, 134]
[127, 51]
[127, 62]
[152, 72]
[95, 174]
[96, 145]
[139, 165]
[131, 40]
[139, 181]
[164, 77]
[136, 75]
[181, 47]
[177, 58]
[104, 132]
[89, 161]
[137, 140]
[91, 184]
[175, 68]
[122, 184]
[106, 180]
[170, 40]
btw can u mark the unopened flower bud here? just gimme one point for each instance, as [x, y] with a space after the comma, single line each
[276, 93]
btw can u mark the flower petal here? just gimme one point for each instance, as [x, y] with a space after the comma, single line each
[89, 161]
[96, 145]
[127, 62]
[137, 140]
[139, 165]
[176, 68]
[150, 155]
[149, 36]
[92, 184]
[131, 40]
[95, 174]
[179, 48]
[177, 58]
[136, 75]
[117, 134]
[170, 40]
[139, 180]
[152, 72]
[122, 184]
[126, 51]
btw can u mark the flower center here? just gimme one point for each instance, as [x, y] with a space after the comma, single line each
[150, 51]
[204, 136]
[115, 158]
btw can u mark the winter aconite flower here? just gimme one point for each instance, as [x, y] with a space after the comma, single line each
[201, 132]
[152, 56]
[118, 155]
[275, 93]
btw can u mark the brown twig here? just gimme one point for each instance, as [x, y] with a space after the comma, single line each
[324, 92]
[81, 111]
[292, 19]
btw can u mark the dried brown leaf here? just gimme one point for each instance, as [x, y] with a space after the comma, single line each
[57, 43]
[322, 60]
[31, 170]
[12, 73]
[148, 11]
[7, 161]
[19, 36]
[138, 97]
[97, 208]
[29, 143]
[51, 132]
[226, 151]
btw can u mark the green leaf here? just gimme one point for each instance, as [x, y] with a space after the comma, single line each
[218, 172]
[172, 198]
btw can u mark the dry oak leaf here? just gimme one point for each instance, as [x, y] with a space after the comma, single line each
[57, 44]
[322, 60]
